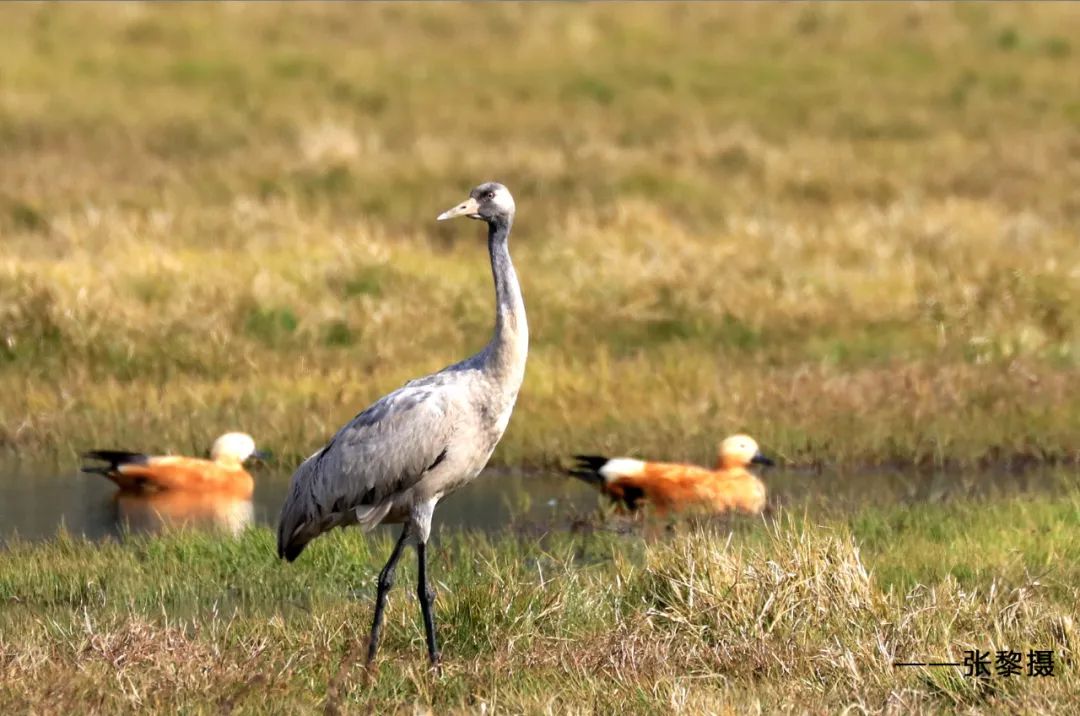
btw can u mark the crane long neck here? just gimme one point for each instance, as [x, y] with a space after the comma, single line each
[510, 344]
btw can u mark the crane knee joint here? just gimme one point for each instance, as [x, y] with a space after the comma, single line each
[386, 580]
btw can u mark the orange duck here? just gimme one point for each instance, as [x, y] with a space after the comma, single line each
[675, 486]
[223, 473]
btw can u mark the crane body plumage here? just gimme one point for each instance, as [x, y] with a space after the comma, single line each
[406, 450]
[396, 459]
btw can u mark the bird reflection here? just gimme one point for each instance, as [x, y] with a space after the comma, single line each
[162, 491]
[155, 511]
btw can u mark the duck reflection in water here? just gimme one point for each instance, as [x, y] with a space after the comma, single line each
[155, 511]
[165, 491]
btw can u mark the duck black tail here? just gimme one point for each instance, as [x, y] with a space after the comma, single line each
[114, 458]
[587, 469]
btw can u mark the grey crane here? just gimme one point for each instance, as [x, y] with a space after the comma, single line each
[394, 461]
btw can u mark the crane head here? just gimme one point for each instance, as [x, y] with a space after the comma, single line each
[487, 202]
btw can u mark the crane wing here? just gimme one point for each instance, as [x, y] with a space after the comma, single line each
[383, 451]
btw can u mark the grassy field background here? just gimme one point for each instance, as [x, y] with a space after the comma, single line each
[850, 231]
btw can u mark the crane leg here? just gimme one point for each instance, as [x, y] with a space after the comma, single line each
[386, 581]
[427, 600]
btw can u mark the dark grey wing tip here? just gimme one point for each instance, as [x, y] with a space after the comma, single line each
[285, 547]
[290, 540]
[290, 552]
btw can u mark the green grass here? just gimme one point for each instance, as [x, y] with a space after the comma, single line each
[805, 222]
[713, 617]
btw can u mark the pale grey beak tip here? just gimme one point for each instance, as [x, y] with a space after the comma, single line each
[468, 208]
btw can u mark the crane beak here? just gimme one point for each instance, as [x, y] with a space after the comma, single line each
[470, 208]
[760, 459]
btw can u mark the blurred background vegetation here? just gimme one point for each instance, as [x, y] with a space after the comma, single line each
[849, 230]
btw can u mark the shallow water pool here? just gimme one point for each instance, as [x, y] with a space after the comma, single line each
[36, 503]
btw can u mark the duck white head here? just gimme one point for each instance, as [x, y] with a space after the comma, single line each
[234, 447]
[740, 451]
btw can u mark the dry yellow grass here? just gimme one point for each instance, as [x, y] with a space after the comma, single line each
[780, 617]
[849, 231]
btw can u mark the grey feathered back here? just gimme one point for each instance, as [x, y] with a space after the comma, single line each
[385, 449]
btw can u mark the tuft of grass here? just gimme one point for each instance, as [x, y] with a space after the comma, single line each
[714, 616]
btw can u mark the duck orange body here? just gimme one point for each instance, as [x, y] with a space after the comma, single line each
[676, 487]
[223, 473]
